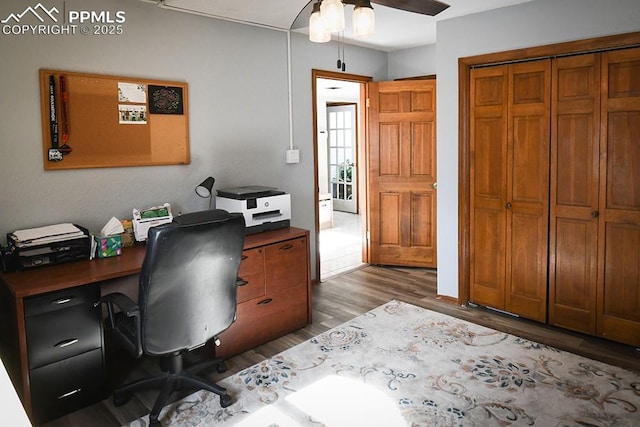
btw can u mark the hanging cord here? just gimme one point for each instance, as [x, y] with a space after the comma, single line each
[340, 63]
[344, 64]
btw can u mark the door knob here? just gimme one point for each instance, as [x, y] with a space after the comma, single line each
[508, 205]
[434, 185]
[595, 214]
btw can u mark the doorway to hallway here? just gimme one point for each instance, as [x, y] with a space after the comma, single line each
[341, 245]
[340, 138]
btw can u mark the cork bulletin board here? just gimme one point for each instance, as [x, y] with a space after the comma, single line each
[97, 121]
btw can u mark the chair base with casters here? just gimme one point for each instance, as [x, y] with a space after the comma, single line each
[175, 378]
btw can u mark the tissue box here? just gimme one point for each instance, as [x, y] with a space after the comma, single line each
[108, 246]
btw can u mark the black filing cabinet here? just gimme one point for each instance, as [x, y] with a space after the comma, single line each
[65, 351]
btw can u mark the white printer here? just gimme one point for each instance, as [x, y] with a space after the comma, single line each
[263, 208]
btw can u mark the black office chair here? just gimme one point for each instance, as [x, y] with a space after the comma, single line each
[187, 296]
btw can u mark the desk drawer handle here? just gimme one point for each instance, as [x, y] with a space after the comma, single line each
[244, 257]
[286, 247]
[62, 301]
[265, 301]
[241, 282]
[71, 393]
[66, 343]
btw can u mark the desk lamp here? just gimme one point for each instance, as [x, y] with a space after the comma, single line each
[204, 189]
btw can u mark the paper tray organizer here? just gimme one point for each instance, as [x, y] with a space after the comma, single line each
[144, 219]
[55, 244]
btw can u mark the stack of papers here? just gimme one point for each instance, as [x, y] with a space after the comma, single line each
[47, 234]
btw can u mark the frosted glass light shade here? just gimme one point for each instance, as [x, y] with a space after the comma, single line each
[364, 22]
[332, 12]
[317, 30]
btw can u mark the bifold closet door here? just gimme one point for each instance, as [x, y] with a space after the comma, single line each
[575, 169]
[488, 182]
[619, 233]
[510, 187]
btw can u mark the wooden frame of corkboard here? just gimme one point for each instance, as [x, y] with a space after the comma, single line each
[112, 121]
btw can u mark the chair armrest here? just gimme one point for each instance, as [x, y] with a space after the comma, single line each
[124, 320]
[121, 301]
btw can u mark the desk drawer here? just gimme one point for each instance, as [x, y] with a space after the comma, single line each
[252, 286]
[264, 319]
[64, 333]
[66, 386]
[53, 301]
[251, 273]
[286, 264]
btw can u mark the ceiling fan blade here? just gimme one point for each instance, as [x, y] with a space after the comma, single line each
[302, 20]
[424, 7]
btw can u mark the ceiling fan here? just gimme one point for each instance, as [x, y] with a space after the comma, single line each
[424, 7]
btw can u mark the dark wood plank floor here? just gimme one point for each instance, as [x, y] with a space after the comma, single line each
[339, 300]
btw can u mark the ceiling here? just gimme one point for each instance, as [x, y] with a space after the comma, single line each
[395, 29]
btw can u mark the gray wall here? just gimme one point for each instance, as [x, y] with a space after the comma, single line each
[238, 111]
[536, 23]
[414, 62]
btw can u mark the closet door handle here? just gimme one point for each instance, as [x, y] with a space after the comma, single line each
[595, 214]
[508, 205]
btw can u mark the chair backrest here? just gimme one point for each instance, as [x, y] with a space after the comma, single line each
[188, 282]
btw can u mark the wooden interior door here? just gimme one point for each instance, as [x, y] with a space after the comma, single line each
[575, 169]
[619, 233]
[509, 174]
[402, 173]
[488, 182]
[527, 203]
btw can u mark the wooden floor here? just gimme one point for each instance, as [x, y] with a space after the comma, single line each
[336, 301]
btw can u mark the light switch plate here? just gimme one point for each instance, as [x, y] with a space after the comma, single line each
[293, 156]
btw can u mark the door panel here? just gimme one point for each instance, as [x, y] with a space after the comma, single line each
[509, 140]
[389, 219]
[402, 173]
[489, 95]
[574, 192]
[528, 189]
[619, 233]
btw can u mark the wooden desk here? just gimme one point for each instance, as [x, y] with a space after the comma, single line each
[20, 286]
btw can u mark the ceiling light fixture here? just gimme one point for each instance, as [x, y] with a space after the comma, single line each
[328, 17]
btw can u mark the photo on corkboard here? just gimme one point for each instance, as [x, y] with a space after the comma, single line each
[165, 100]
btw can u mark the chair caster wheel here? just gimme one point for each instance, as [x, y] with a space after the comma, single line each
[120, 399]
[225, 400]
[221, 367]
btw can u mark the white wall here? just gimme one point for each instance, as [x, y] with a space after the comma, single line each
[537, 23]
[238, 107]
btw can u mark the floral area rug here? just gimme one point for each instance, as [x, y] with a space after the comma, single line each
[402, 365]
